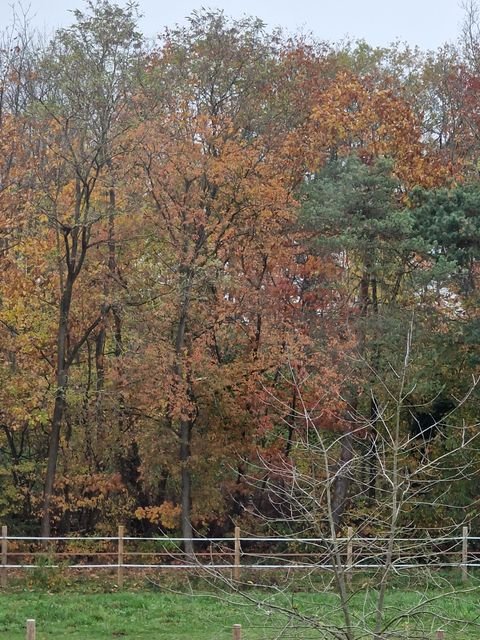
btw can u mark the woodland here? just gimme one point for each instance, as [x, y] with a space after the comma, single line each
[221, 249]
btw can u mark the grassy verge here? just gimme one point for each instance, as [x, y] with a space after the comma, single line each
[154, 614]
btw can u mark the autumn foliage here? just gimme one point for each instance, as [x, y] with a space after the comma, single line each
[168, 305]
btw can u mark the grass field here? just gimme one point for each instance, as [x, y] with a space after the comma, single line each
[156, 615]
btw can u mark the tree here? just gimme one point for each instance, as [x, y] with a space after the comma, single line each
[87, 74]
[354, 210]
[183, 228]
[220, 178]
[301, 491]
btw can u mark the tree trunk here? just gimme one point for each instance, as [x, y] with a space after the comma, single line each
[109, 284]
[372, 456]
[343, 479]
[59, 406]
[291, 423]
[186, 500]
[76, 243]
[99, 387]
[373, 453]
[186, 425]
[113, 270]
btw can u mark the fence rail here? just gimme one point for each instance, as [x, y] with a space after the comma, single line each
[236, 631]
[126, 553]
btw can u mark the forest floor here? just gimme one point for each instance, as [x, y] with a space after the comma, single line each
[153, 614]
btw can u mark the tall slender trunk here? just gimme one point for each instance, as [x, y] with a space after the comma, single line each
[291, 423]
[372, 455]
[102, 334]
[186, 498]
[99, 390]
[335, 552]
[342, 479]
[186, 425]
[372, 458]
[61, 381]
[397, 497]
[76, 244]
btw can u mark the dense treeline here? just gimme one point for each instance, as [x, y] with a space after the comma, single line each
[206, 239]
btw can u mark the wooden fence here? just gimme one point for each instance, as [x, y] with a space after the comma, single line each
[123, 553]
[31, 630]
[236, 631]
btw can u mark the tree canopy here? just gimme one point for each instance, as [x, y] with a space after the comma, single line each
[188, 227]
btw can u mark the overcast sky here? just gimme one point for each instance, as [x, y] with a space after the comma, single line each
[427, 23]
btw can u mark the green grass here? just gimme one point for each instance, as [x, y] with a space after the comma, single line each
[156, 615]
[115, 615]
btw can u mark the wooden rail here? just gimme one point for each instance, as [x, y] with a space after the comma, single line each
[122, 552]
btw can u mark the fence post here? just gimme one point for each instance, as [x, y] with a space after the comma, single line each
[31, 634]
[464, 554]
[349, 554]
[4, 557]
[121, 533]
[440, 634]
[236, 562]
[237, 632]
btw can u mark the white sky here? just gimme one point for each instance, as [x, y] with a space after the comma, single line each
[427, 23]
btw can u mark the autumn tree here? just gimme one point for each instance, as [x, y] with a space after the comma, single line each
[220, 178]
[183, 229]
[78, 117]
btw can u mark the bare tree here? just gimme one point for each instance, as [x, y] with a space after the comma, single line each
[470, 37]
[417, 471]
